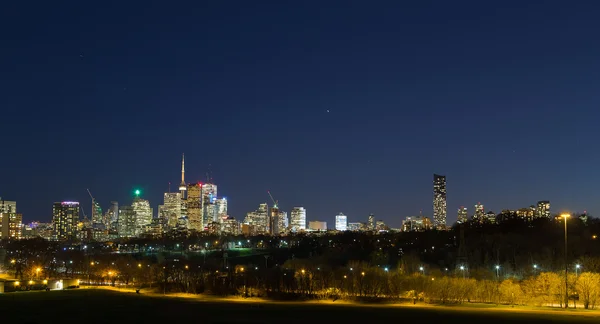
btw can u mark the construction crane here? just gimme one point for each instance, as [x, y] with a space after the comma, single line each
[93, 204]
[275, 202]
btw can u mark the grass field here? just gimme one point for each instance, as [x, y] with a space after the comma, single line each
[104, 306]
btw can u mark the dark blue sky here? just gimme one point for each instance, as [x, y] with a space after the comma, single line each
[501, 97]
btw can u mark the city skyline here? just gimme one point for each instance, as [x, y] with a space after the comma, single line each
[342, 107]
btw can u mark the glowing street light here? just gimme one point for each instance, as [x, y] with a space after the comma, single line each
[13, 261]
[303, 271]
[37, 272]
[497, 269]
[577, 266]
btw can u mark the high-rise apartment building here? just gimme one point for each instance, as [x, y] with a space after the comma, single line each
[543, 209]
[208, 201]
[7, 206]
[97, 215]
[11, 226]
[65, 216]
[463, 216]
[112, 215]
[341, 222]
[194, 207]
[298, 219]
[439, 201]
[143, 214]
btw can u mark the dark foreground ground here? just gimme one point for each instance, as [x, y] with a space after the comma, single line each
[100, 306]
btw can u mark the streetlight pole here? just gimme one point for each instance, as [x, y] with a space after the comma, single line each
[566, 216]
[497, 275]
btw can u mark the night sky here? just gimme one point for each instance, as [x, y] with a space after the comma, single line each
[338, 106]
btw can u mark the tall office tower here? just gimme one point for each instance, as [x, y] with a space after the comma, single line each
[182, 188]
[221, 204]
[479, 212]
[274, 220]
[112, 215]
[543, 209]
[259, 219]
[298, 219]
[65, 216]
[463, 216]
[143, 214]
[7, 206]
[97, 216]
[171, 210]
[371, 222]
[209, 195]
[341, 222]
[210, 212]
[439, 201]
[127, 222]
[11, 226]
[194, 207]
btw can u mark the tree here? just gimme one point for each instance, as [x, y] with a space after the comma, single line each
[510, 291]
[588, 288]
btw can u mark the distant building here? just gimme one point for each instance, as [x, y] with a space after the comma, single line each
[416, 224]
[490, 217]
[543, 209]
[527, 214]
[381, 226]
[170, 211]
[7, 206]
[357, 226]
[479, 213]
[341, 222]
[65, 216]
[97, 215]
[230, 226]
[194, 207]
[439, 201]
[221, 204]
[143, 214]
[463, 216]
[259, 219]
[317, 226]
[126, 224]
[11, 226]
[112, 215]
[371, 222]
[208, 200]
[298, 219]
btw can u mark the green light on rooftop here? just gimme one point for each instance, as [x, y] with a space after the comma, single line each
[137, 192]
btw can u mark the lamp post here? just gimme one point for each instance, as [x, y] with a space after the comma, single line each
[577, 266]
[37, 272]
[566, 216]
[497, 274]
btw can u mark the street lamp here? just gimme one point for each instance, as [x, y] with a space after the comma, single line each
[422, 270]
[566, 216]
[497, 269]
[462, 268]
[37, 272]
[577, 266]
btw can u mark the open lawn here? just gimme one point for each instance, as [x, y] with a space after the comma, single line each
[105, 306]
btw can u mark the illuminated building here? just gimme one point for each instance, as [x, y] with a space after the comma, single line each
[126, 223]
[416, 224]
[479, 213]
[221, 204]
[439, 202]
[490, 217]
[11, 226]
[182, 185]
[371, 222]
[97, 215]
[317, 226]
[194, 207]
[208, 200]
[297, 219]
[526, 213]
[112, 215]
[230, 226]
[275, 221]
[543, 209]
[170, 210]
[380, 226]
[463, 216]
[143, 214]
[65, 216]
[7, 206]
[356, 226]
[259, 219]
[341, 222]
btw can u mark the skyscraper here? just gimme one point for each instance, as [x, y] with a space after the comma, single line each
[371, 222]
[221, 204]
[112, 215]
[171, 209]
[208, 202]
[194, 207]
[126, 223]
[439, 201]
[143, 214]
[7, 206]
[479, 212]
[463, 216]
[341, 222]
[259, 219]
[182, 188]
[97, 216]
[298, 219]
[65, 216]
